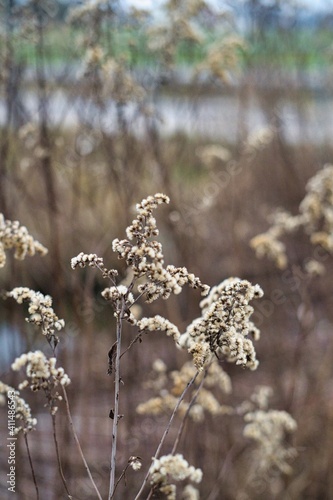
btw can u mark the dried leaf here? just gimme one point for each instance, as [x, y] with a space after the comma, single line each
[112, 355]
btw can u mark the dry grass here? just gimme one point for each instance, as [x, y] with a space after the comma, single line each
[75, 190]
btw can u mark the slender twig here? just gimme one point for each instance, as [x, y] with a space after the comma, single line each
[119, 479]
[234, 452]
[58, 457]
[31, 465]
[150, 494]
[120, 314]
[167, 431]
[69, 415]
[182, 425]
[136, 338]
[305, 328]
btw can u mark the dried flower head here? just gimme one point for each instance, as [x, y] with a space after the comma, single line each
[268, 245]
[179, 25]
[83, 260]
[222, 58]
[169, 387]
[119, 83]
[269, 429]
[13, 235]
[314, 268]
[40, 310]
[224, 326]
[315, 217]
[145, 257]
[169, 468]
[213, 155]
[135, 463]
[190, 493]
[259, 139]
[42, 373]
[158, 323]
[260, 397]
[23, 420]
[146, 273]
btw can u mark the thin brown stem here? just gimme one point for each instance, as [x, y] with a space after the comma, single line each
[136, 338]
[120, 314]
[167, 431]
[305, 319]
[31, 465]
[119, 479]
[69, 415]
[182, 425]
[58, 457]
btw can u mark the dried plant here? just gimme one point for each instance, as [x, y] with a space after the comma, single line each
[117, 81]
[41, 371]
[41, 312]
[168, 469]
[315, 219]
[221, 331]
[13, 235]
[222, 59]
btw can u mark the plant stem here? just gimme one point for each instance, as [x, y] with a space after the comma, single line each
[167, 431]
[120, 314]
[58, 457]
[31, 465]
[182, 425]
[119, 479]
[136, 338]
[69, 415]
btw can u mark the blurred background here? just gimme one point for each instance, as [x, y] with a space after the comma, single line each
[226, 107]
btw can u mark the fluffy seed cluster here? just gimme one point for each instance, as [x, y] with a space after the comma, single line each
[169, 387]
[315, 217]
[222, 58]
[158, 323]
[119, 83]
[213, 155]
[41, 371]
[24, 420]
[317, 208]
[179, 26]
[224, 326]
[145, 257]
[135, 463]
[190, 493]
[84, 259]
[13, 235]
[169, 468]
[268, 245]
[115, 293]
[40, 310]
[259, 400]
[92, 260]
[259, 139]
[42, 374]
[121, 299]
[269, 429]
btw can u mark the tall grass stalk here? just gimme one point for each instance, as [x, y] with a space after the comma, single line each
[116, 416]
[166, 432]
[31, 465]
[70, 419]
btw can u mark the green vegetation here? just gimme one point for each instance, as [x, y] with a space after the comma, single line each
[293, 49]
[298, 48]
